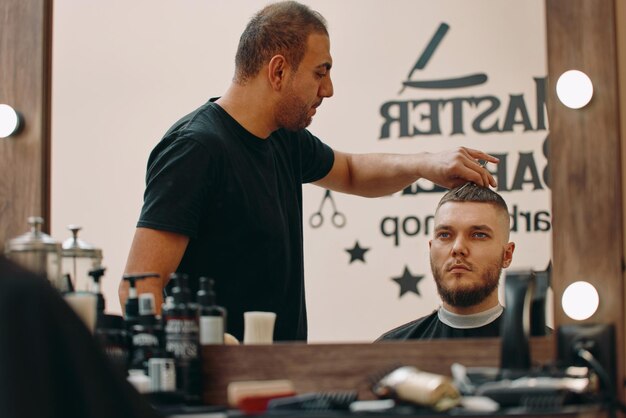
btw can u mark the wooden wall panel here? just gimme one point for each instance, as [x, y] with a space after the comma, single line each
[585, 161]
[620, 12]
[25, 63]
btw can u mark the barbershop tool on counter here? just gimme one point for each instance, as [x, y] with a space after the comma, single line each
[253, 396]
[408, 384]
[517, 383]
[318, 401]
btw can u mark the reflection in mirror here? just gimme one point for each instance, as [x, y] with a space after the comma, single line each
[411, 76]
[469, 249]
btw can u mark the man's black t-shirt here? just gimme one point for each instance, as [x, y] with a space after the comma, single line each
[431, 327]
[239, 200]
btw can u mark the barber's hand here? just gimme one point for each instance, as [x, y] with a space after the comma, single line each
[453, 168]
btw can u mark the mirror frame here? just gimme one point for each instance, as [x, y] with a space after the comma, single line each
[585, 145]
[585, 160]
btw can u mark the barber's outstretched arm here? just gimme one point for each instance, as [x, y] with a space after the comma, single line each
[373, 175]
[153, 251]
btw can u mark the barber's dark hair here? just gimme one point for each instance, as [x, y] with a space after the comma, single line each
[470, 192]
[279, 28]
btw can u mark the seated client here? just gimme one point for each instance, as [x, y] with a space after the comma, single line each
[468, 251]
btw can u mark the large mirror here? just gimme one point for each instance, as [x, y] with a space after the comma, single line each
[409, 76]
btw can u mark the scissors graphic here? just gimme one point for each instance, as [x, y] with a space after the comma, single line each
[317, 219]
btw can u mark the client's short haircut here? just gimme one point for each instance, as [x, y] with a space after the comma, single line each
[470, 192]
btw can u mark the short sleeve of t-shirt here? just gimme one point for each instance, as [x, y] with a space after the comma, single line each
[316, 157]
[179, 181]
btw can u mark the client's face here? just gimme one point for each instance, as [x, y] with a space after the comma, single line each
[467, 253]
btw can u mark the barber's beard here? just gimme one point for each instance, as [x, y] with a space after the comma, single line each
[292, 113]
[470, 295]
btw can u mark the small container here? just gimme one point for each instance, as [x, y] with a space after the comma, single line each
[112, 337]
[79, 258]
[162, 373]
[37, 252]
[139, 380]
[258, 327]
[211, 317]
[85, 305]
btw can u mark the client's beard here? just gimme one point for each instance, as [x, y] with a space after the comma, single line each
[468, 296]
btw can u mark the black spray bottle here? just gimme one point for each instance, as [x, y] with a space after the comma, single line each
[182, 340]
[211, 317]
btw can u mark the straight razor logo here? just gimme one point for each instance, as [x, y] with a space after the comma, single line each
[448, 83]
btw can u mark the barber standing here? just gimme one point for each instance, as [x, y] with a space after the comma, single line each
[223, 191]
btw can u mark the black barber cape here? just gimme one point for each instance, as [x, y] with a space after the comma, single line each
[432, 327]
[50, 364]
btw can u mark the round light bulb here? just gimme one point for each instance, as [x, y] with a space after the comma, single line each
[580, 300]
[9, 121]
[574, 89]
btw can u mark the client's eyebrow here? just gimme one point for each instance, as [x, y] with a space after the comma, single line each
[481, 228]
[445, 227]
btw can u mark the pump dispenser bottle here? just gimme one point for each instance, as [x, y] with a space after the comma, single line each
[110, 332]
[96, 275]
[212, 318]
[145, 335]
[131, 312]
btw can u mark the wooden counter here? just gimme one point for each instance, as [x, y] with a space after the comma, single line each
[335, 367]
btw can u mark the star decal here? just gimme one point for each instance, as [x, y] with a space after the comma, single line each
[408, 282]
[357, 252]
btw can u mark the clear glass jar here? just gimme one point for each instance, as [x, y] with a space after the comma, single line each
[37, 252]
[78, 259]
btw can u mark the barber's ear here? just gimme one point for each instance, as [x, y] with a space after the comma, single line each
[508, 254]
[276, 71]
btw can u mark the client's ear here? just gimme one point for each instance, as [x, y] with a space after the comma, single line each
[508, 254]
